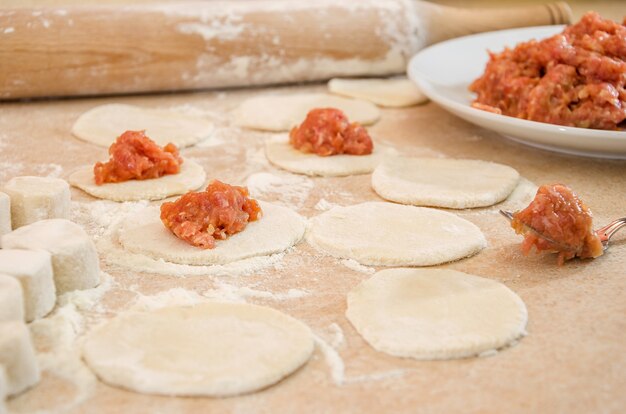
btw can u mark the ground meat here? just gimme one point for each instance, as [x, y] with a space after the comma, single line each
[558, 213]
[575, 78]
[327, 131]
[219, 211]
[134, 156]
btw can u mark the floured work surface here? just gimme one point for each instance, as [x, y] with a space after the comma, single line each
[573, 359]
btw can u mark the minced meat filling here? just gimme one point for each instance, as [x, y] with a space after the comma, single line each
[557, 213]
[327, 131]
[201, 218]
[575, 78]
[134, 156]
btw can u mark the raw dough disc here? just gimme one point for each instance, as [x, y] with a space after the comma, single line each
[385, 234]
[103, 124]
[442, 182]
[278, 229]
[280, 153]
[390, 92]
[282, 112]
[435, 313]
[190, 177]
[210, 349]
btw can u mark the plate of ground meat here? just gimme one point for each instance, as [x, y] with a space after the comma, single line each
[553, 87]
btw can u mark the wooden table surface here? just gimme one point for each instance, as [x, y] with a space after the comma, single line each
[573, 360]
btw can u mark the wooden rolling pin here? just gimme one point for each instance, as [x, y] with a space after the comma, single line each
[90, 50]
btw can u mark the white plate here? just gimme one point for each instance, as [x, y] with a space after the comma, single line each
[444, 71]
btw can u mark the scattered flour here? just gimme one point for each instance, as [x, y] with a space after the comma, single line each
[232, 293]
[172, 297]
[293, 190]
[88, 300]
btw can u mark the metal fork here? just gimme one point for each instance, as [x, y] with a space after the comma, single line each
[604, 233]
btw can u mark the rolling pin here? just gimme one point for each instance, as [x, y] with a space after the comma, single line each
[113, 49]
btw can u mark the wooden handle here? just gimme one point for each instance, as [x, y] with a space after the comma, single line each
[90, 50]
[441, 23]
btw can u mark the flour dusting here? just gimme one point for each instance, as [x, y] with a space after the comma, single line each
[292, 190]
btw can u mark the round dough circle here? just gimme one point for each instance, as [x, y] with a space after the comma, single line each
[282, 112]
[190, 177]
[103, 124]
[280, 153]
[389, 92]
[210, 349]
[385, 234]
[435, 313]
[442, 182]
[278, 229]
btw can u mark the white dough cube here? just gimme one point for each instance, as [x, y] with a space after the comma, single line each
[33, 269]
[11, 299]
[5, 214]
[37, 198]
[74, 256]
[18, 357]
[3, 390]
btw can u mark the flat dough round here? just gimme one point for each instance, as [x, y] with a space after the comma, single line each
[278, 229]
[282, 112]
[190, 177]
[281, 154]
[443, 182]
[103, 124]
[389, 92]
[209, 349]
[435, 313]
[386, 234]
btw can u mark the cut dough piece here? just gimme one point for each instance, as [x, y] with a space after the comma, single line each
[280, 153]
[282, 112]
[190, 177]
[33, 269]
[11, 300]
[74, 257]
[4, 391]
[277, 230]
[435, 313]
[5, 214]
[103, 124]
[18, 357]
[443, 182]
[385, 234]
[209, 349]
[391, 92]
[37, 198]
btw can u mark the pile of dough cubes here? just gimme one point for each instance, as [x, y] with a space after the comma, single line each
[42, 255]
